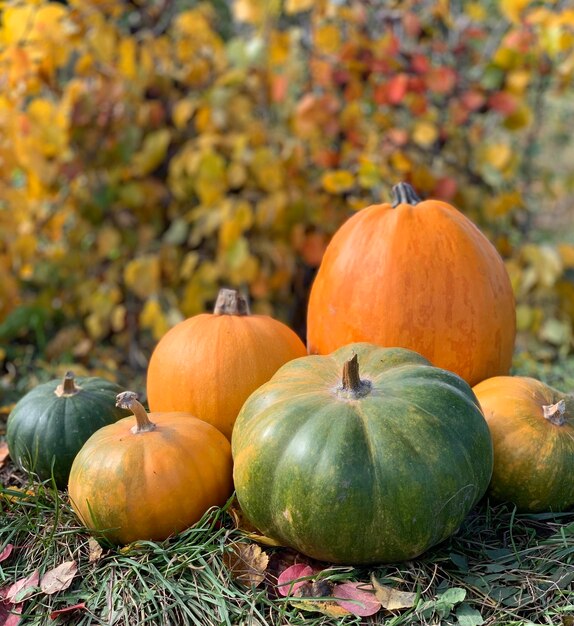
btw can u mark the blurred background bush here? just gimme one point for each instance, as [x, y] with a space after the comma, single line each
[154, 151]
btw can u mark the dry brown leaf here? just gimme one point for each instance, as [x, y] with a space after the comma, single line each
[59, 578]
[247, 563]
[95, 550]
[393, 599]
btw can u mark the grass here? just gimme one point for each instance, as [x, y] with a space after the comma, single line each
[499, 568]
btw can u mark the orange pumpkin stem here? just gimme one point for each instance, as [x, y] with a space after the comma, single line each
[555, 413]
[352, 385]
[129, 400]
[67, 387]
[403, 193]
[230, 302]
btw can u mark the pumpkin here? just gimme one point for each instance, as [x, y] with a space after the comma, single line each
[210, 363]
[361, 467]
[49, 425]
[151, 480]
[417, 275]
[532, 429]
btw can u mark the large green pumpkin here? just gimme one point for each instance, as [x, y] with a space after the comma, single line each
[361, 467]
[50, 424]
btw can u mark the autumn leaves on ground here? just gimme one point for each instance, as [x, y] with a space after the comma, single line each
[158, 151]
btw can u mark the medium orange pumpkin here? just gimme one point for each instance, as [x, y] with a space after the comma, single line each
[151, 480]
[210, 363]
[532, 430]
[418, 275]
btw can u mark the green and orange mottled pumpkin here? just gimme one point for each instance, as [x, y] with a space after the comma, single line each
[361, 467]
[532, 428]
[417, 275]
[151, 480]
[50, 424]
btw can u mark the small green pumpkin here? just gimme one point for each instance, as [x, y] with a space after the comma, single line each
[50, 424]
[361, 468]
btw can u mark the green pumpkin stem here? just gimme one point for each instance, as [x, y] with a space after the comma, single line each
[231, 302]
[352, 386]
[67, 387]
[555, 413]
[129, 400]
[403, 193]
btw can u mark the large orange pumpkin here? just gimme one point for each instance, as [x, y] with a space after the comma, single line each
[532, 430]
[152, 479]
[418, 275]
[210, 363]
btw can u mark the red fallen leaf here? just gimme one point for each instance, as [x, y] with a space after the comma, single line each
[361, 602]
[286, 584]
[4, 453]
[23, 588]
[503, 102]
[6, 552]
[10, 614]
[397, 88]
[68, 609]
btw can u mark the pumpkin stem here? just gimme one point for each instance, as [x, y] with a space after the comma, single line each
[67, 387]
[352, 386]
[555, 413]
[129, 400]
[403, 193]
[231, 302]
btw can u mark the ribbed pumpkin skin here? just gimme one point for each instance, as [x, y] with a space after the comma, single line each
[421, 277]
[154, 484]
[375, 479]
[533, 458]
[209, 364]
[44, 427]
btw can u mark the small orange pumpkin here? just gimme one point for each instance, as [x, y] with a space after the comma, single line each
[532, 429]
[418, 275]
[209, 364]
[151, 480]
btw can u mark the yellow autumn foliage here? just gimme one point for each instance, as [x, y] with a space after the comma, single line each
[149, 158]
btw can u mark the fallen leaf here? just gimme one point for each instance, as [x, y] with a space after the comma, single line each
[4, 453]
[331, 609]
[10, 614]
[357, 600]
[67, 609]
[59, 578]
[6, 552]
[289, 581]
[393, 599]
[247, 563]
[23, 588]
[95, 550]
